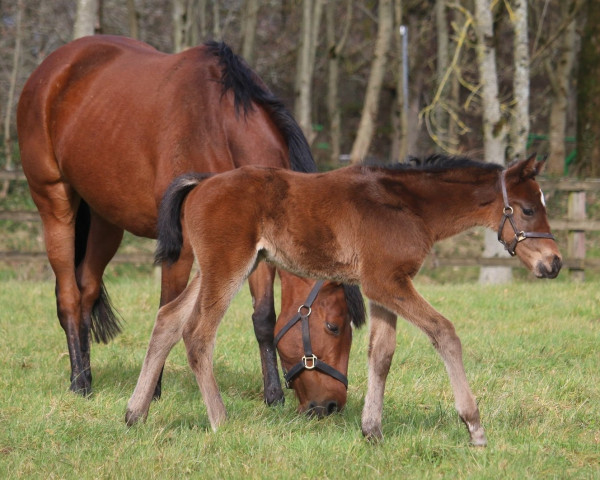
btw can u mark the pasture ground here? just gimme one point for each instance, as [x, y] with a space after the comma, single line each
[531, 351]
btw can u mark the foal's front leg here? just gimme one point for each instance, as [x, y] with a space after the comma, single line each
[441, 332]
[166, 333]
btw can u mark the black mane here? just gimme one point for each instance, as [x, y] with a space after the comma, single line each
[356, 305]
[247, 87]
[438, 162]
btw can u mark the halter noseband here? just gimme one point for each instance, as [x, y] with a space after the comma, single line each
[508, 211]
[309, 361]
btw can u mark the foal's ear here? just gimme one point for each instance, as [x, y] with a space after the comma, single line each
[526, 169]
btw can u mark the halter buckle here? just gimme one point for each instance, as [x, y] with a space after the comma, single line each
[311, 358]
[520, 236]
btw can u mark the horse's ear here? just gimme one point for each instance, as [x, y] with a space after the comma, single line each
[526, 169]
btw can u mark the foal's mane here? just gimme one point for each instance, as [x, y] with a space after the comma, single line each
[436, 163]
[247, 87]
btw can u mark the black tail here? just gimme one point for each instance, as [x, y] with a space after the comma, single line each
[247, 87]
[170, 236]
[106, 324]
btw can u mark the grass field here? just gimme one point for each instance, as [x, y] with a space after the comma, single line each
[532, 354]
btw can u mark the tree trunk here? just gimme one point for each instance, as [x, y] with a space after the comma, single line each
[442, 65]
[185, 25]
[366, 126]
[134, 30]
[494, 126]
[399, 111]
[8, 150]
[311, 19]
[520, 123]
[560, 78]
[588, 95]
[86, 20]
[334, 48]
[249, 30]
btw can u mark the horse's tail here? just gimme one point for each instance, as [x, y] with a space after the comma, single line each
[248, 87]
[106, 323]
[170, 234]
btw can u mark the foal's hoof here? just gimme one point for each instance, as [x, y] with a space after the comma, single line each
[81, 388]
[374, 435]
[131, 418]
[274, 397]
[478, 438]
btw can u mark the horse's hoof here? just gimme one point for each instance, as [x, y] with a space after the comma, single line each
[81, 388]
[274, 398]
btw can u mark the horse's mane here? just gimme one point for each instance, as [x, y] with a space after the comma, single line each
[437, 162]
[247, 87]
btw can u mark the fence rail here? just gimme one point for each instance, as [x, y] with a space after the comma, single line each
[576, 224]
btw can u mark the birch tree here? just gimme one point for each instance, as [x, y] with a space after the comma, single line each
[86, 19]
[494, 126]
[370, 109]
[311, 21]
[399, 113]
[520, 122]
[185, 24]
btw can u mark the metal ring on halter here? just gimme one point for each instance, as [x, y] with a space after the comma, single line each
[307, 307]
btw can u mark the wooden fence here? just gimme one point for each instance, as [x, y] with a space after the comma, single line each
[576, 224]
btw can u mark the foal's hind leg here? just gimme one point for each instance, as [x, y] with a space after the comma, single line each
[409, 304]
[174, 279]
[166, 333]
[261, 289]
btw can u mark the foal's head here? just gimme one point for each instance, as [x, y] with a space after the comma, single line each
[332, 312]
[524, 227]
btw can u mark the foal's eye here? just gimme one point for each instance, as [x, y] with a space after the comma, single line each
[332, 327]
[528, 212]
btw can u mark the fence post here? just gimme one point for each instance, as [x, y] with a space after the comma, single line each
[576, 238]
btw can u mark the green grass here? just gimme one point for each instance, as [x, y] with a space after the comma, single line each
[531, 353]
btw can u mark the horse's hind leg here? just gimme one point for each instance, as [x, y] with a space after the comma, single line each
[167, 331]
[409, 304]
[263, 318]
[57, 204]
[102, 243]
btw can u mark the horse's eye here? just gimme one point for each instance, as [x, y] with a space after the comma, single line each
[528, 212]
[332, 327]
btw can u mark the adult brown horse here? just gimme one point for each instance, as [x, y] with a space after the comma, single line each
[360, 224]
[105, 124]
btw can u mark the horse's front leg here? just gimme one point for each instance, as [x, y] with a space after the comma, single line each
[263, 318]
[167, 331]
[407, 302]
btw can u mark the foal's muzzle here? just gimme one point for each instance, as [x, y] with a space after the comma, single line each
[544, 272]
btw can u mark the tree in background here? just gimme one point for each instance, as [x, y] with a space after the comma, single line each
[87, 20]
[588, 94]
[370, 109]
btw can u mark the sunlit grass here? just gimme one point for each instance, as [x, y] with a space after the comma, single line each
[531, 352]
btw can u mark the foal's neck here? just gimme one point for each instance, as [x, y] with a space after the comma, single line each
[455, 200]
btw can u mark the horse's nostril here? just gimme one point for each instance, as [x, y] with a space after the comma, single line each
[332, 408]
[556, 263]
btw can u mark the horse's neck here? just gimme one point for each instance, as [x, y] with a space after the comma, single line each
[451, 204]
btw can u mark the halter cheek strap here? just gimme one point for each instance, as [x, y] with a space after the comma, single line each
[507, 214]
[309, 361]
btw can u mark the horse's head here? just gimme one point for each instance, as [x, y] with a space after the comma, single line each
[524, 228]
[319, 382]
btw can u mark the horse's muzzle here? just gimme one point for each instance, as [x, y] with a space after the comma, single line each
[321, 411]
[543, 271]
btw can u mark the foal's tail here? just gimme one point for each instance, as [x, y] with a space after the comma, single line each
[170, 235]
[106, 324]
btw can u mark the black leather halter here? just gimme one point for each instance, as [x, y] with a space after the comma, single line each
[508, 211]
[309, 361]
